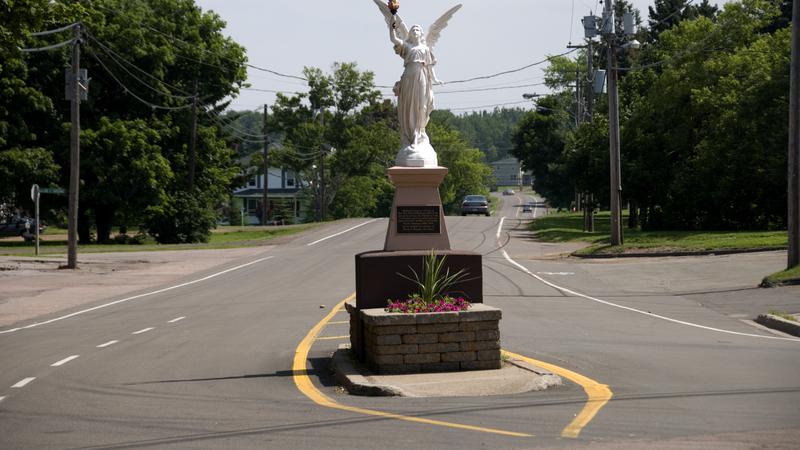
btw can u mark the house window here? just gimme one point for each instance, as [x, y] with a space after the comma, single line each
[252, 182]
[290, 182]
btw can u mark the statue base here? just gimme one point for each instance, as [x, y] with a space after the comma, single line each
[420, 154]
[417, 218]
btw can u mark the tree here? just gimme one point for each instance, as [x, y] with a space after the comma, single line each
[539, 144]
[25, 111]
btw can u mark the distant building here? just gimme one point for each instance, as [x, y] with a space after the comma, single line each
[508, 172]
[284, 186]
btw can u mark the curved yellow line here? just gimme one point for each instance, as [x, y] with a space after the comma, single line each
[304, 384]
[599, 394]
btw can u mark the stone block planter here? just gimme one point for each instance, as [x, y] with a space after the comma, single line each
[427, 342]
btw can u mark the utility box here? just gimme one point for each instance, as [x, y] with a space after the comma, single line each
[599, 81]
[589, 26]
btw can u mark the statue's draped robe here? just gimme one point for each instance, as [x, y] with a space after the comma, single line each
[414, 92]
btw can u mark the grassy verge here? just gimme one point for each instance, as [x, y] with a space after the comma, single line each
[566, 227]
[788, 276]
[783, 315]
[222, 237]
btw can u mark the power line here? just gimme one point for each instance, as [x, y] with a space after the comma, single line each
[114, 57]
[128, 91]
[494, 75]
[500, 88]
[245, 64]
[49, 47]
[57, 30]
[487, 106]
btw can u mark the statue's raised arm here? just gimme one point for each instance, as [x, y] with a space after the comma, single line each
[415, 89]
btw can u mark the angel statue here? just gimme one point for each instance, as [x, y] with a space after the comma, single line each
[414, 91]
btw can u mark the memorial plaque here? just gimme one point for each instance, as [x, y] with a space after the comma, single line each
[418, 220]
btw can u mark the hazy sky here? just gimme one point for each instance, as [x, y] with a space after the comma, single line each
[483, 38]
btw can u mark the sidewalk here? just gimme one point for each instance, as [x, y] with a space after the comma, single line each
[35, 287]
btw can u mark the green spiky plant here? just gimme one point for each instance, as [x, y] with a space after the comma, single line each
[436, 280]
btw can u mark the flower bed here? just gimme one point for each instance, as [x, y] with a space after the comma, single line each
[418, 305]
[430, 342]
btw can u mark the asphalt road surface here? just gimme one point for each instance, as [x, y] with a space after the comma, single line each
[207, 362]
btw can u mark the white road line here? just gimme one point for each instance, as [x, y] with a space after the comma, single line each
[22, 383]
[638, 311]
[177, 319]
[107, 344]
[213, 275]
[145, 330]
[341, 232]
[64, 361]
[2, 398]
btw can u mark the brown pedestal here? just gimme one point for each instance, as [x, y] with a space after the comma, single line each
[417, 219]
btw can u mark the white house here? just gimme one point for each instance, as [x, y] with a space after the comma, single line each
[507, 172]
[283, 188]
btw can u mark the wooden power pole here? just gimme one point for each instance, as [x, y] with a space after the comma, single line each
[613, 127]
[193, 141]
[265, 194]
[74, 152]
[794, 142]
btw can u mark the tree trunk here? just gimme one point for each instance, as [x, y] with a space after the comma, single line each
[84, 227]
[103, 220]
[633, 216]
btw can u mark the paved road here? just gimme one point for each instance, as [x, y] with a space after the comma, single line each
[209, 364]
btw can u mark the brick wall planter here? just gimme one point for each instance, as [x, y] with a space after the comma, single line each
[428, 342]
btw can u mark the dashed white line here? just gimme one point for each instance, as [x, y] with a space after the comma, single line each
[64, 361]
[2, 398]
[177, 319]
[145, 330]
[341, 232]
[109, 343]
[22, 383]
[213, 275]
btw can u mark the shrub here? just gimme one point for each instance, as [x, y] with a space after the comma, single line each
[181, 219]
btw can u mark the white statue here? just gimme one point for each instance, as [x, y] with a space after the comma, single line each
[414, 91]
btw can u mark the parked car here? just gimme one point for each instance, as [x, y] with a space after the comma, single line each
[475, 204]
[20, 226]
[508, 192]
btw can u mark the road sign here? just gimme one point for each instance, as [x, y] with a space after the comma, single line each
[59, 191]
[35, 192]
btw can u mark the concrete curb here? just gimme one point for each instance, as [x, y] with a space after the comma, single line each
[779, 323]
[351, 379]
[670, 254]
[347, 373]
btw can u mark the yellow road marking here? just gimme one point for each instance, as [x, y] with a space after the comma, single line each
[331, 338]
[306, 386]
[599, 394]
[339, 322]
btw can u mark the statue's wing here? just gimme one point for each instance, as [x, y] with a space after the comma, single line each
[401, 29]
[436, 29]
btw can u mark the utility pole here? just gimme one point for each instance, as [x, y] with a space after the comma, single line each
[590, 79]
[265, 194]
[74, 152]
[322, 206]
[613, 126]
[794, 142]
[193, 140]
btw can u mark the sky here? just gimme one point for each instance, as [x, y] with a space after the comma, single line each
[485, 37]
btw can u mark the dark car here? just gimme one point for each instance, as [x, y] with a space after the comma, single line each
[508, 192]
[20, 226]
[475, 204]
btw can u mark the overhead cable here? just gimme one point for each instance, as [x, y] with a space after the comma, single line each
[131, 93]
[49, 47]
[57, 30]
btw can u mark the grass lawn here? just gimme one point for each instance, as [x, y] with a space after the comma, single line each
[789, 276]
[222, 237]
[564, 227]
